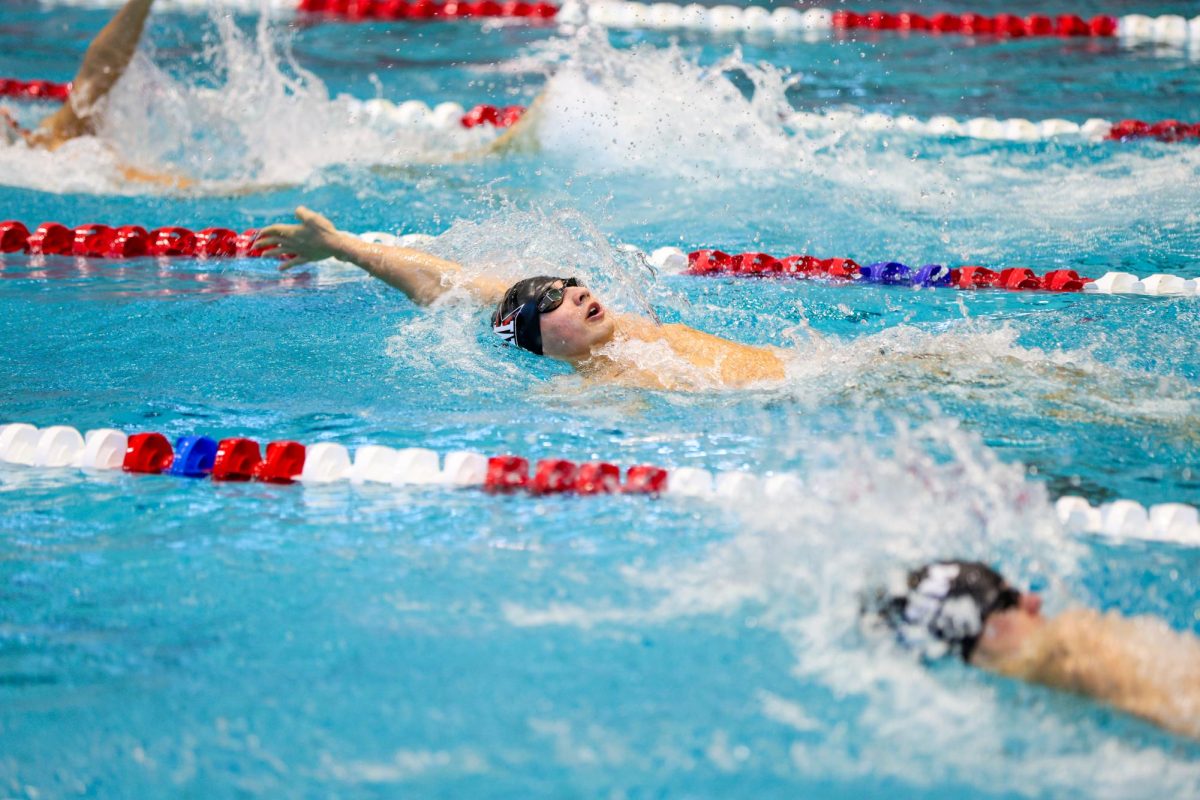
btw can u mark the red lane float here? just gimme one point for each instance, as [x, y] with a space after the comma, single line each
[1168, 130]
[492, 115]
[34, 90]
[94, 240]
[283, 464]
[762, 265]
[969, 24]
[553, 476]
[598, 477]
[506, 474]
[148, 453]
[237, 460]
[426, 10]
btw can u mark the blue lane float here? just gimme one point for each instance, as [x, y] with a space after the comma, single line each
[890, 273]
[194, 456]
[933, 275]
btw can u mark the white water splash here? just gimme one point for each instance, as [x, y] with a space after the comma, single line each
[656, 109]
[248, 118]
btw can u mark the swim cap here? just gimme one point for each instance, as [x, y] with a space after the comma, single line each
[946, 604]
[516, 319]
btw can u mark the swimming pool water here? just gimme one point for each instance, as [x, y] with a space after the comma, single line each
[161, 637]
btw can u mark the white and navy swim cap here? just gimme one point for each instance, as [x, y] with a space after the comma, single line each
[943, 606]
[516, 319]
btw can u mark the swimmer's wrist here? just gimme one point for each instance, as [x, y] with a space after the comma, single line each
[346, 247]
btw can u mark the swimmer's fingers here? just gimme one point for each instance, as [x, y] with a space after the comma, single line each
[312, 219]
[294, 261]
[282, 252]
[273, 234]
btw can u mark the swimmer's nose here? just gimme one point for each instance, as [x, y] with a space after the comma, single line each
[581, 295]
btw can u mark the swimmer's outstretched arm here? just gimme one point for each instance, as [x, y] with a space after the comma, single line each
[421, 276]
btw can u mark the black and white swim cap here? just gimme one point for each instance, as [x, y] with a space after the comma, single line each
[944, 605]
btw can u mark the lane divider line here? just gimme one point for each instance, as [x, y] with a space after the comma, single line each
[447, 116]
[239, 459]
[721, 19]
[717, 263]
[95, 240]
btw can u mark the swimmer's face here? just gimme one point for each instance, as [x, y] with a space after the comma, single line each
[1006, 632]
[571, 331]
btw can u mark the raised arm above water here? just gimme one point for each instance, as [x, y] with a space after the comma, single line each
[421, 276]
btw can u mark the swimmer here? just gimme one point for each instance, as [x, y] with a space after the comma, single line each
[554, 317]
[1138, 665]
[104, 64]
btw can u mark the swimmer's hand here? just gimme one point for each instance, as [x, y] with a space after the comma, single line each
[314, 239]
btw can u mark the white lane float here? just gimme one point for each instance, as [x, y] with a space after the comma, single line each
[1127, 519]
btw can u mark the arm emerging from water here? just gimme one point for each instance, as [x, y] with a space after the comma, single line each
[104, 64]
[522, 135]
[421, 276]
[1139, 665]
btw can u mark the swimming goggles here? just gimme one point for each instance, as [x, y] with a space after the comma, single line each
[553, 297]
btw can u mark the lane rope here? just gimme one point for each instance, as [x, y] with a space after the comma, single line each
[789, 21]
[1015, 129]
[411, 113]
[95, 240]
[716, 263]
[354, 10]
[284, 462]
[448, 116]
[723, 19]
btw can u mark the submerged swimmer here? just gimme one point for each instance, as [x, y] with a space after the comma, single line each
[1138, 665]
[104, 64]
[554, 317]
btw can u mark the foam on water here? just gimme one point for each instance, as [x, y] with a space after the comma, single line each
[798, 565]
[975, 362]
[656, 109]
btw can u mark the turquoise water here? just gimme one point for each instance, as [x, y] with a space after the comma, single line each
[161, 637]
